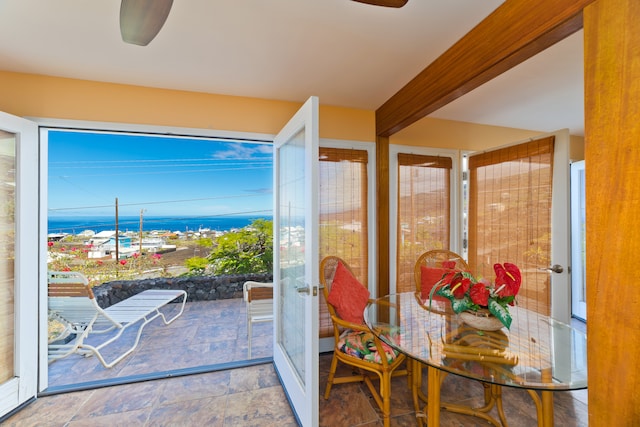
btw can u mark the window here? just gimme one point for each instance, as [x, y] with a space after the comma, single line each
[344, 219]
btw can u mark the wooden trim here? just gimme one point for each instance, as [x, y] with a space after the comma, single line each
[513, 33]
[256, 293]
[382, 214]
[70, 289]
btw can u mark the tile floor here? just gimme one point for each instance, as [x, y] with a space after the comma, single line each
[248, 396]
[207, 333]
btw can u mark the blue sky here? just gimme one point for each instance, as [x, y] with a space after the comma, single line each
[163, 176]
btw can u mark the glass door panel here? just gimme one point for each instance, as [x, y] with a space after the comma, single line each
[578, 242]
[296, 262]
[18, 256]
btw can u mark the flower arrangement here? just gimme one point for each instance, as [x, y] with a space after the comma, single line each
[467, 293]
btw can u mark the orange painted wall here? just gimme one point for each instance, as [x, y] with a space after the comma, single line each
[440, 133]
[30, 95]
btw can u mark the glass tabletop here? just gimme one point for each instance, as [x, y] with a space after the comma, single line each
[537, 352]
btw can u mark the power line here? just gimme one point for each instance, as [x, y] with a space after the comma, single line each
[161, 160]
[155, 203]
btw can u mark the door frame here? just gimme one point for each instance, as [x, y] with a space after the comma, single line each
[45, 124]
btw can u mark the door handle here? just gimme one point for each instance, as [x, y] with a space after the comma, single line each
[556, 268]
[306, 289]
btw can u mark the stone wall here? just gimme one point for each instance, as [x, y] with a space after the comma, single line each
[199, 288]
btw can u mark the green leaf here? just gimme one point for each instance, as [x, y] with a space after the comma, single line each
[460, 305]
[500, 312]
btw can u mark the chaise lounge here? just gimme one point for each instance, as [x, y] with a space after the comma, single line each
[73, 304]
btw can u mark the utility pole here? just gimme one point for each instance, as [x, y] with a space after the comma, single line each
[140, 246]
[117, 235]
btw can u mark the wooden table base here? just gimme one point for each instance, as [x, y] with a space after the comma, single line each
[492, 398]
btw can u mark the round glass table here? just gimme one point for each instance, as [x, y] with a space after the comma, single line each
[537, 353]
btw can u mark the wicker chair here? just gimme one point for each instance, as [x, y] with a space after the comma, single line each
[364, 370]
[435, 259]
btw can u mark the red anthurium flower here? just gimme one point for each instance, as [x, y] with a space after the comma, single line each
[508, 279]
[459, 286]
[479, 294]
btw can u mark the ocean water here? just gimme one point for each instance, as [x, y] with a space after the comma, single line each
[77, 224]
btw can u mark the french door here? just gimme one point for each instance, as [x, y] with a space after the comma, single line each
[18, 261]
[519, 213]
[296, 261]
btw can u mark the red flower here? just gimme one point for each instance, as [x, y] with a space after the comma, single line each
[156, 256]
[123, 262]
[508, 279]
[100, 262]
[479, 294]
[459, 286]
[49, 244]
[66, 269]
[136, 255]
[61, 249]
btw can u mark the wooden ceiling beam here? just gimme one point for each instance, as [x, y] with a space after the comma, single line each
[513, 33]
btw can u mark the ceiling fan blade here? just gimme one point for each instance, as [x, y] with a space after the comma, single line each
[141, 20]
[385, 3]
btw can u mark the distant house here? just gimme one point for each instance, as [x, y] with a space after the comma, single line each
[104, 243]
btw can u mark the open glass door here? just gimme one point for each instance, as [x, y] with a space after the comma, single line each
[295, 275]
[578, 242]
[18, 256]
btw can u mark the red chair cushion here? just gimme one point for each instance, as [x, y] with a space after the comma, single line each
[348, 296]
[429, 276]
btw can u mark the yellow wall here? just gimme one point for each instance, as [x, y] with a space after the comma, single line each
[440, 133]
[31, 95]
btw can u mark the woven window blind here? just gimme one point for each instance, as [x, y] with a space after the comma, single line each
[510, 216]
[343, 223]
[423, 211]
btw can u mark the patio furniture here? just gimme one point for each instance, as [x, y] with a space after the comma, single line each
[259, 301]
[355, 344]
[72, 303]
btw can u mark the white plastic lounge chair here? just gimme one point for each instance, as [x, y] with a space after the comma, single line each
[73, 304]
[259, 300]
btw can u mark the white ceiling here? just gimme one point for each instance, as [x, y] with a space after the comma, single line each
[347, 53]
